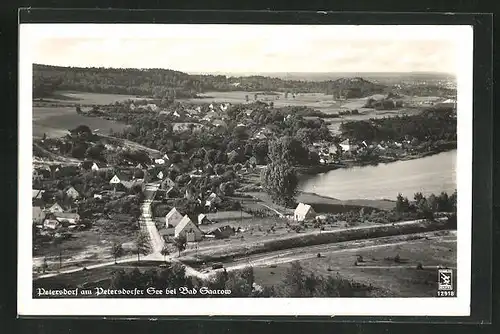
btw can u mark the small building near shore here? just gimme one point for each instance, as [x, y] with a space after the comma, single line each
[347, 146]
[304, 212]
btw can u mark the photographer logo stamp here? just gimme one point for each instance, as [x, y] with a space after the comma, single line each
[445, 280]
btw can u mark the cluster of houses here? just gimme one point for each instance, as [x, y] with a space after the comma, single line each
[54, 216]
[178, 225]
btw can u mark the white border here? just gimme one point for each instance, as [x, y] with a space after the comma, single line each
[459, 306]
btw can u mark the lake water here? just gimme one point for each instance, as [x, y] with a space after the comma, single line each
[432, 174]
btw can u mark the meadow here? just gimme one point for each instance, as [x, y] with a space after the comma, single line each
[85, 98]
[391, 269]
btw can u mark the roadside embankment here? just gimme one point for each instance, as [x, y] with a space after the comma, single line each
[314, 238]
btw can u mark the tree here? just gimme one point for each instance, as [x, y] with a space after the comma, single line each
[142, 244]
[117, 250]
[165, 251]
[293, 283]
[402, 204]
[280, 178]
[227, 188]
[180, 243]
[246, 98]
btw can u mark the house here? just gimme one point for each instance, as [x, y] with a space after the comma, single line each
[380, 147]
[38, 215]
[37, 175]
[304, 212]
[51, 224]
[97, 165]
[213, 199]
[249, 112]
[203, 219]
[98, 196]
[167, 183]
[152, 107]
[37, 194]
[449, 103]
[71, 218]
[141, 166]
[160, 175]
[159, 161]
[172, 192]
[186, 228]
[252, 161]
[223, 232]
[173, 218]
[71, 192]
[347, 146]
[332, 149]
[56, 207]
[86, 165]
[119, 178]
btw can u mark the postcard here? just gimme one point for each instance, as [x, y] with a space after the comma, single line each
[215, 169]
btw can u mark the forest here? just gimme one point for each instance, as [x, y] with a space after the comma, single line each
[160, 83]
[431, 124]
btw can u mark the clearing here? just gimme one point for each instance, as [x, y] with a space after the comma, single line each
[86, 98]
[56, 121]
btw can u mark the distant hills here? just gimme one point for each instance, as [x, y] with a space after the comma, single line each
[170, 84]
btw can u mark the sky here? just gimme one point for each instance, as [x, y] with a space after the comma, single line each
[244, 49]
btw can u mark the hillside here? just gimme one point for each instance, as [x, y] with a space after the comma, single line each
[170, 84]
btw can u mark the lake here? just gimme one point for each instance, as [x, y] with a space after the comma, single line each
[432, 174]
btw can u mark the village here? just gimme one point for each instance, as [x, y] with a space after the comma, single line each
[88, 182]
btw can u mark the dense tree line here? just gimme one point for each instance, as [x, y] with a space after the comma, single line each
[430, 125]
[175, 84]
[296, 283]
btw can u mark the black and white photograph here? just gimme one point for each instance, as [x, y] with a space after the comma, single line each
[213, 169]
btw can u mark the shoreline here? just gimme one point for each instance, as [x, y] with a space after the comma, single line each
[312, 170]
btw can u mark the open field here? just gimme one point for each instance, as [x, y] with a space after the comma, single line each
[55, 121]
[391, 278]
[322, 204]
[88, 246]
[85, 98]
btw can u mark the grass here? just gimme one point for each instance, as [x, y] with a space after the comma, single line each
[228, 216]
[90, 246]
[390, 278]
[264, 241]
[86, 98]
[55, 121]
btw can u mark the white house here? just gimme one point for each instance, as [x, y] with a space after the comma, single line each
[71, 218]
[159, 161]
[71, 192]
[38, 215]
[186, 228]
[37, 175]
[304, 212]
[94, 167]
[56, 207]
[51, 224]
[173, 218]
[203, 219]
[160, 175]
[347, 146]
[212, 199]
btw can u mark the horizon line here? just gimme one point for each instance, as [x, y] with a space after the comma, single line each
[243, 72]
